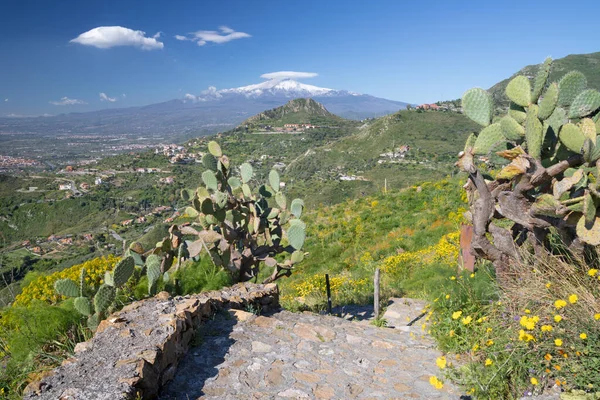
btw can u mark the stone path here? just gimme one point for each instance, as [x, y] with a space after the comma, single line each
[297, 356]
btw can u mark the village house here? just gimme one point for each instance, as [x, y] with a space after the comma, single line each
[169, 180]
[65, 186]
[84, 186]
[127, 222]
[98, 181]
[434, 107]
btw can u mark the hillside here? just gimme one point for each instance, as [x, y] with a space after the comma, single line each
[397, 150]
[297, 111]
[588, 64]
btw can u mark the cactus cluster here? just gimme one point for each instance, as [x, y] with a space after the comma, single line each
[91, 302]
[239, 227]
[547, 145]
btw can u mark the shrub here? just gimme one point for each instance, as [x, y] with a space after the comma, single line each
[42, 287]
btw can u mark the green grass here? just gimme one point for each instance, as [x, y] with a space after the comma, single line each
[353, 238]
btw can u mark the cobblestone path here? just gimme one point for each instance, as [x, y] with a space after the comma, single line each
[297, 356]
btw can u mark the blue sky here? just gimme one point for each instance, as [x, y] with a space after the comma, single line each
[410, 51]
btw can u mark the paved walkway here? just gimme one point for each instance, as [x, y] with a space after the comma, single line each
[297, 356]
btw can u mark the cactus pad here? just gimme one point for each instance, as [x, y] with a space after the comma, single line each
[123, 271]
[83, 306]
[511, 129]
[66, 287]
[517, 112]
[210, 162]
[210, 180]
[214, 149]
[548, 102]
[296, 236]
[589, 208]
[108, 278]
[518, 91]
[557, 119]
[534, 132]
[153, 271]
[93, 321]
[570, 86]
[281, 200]
[572, 137]
[589, 233]
[274, 180]
[246, 172]
[540, 79]
[588, 127]
[296, 207]
[487, 138]
[297, 256]
[234, 182]
[585, 103]
[478, 106]
[104, 298]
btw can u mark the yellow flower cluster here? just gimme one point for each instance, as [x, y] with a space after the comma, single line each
[316, 284]
[445, 251]
[42, 288]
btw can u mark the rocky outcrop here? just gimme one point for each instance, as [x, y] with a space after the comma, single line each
[136, 350]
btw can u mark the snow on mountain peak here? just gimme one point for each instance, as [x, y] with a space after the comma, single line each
[286, 87]
[279, 87]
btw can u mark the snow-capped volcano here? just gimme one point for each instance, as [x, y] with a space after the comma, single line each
[280, 87]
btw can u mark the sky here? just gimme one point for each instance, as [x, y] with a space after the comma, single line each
[75, 56]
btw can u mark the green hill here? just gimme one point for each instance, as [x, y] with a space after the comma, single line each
[588, 64]
[397, 150]
[297, 111]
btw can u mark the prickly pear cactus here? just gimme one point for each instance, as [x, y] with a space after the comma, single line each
[550, 137]
[123, 271]
[241, 223]
[153, 272]
[66, 287]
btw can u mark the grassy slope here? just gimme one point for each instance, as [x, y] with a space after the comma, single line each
[588, 64]
[434, 137]
[382, 225]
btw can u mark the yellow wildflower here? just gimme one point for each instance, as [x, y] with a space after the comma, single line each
[546, 328]
[467, 320]
[441, 362]
[447, 296]
[534, 381]
[596, 317]
[548, 357]
[489, 342]
[456, 314]
[557, 318]
[583, 336]
[559, 304]
[548, 285]
[488, 362]
[573, 299]
[435, 382]
[592, 272]
[558, 342]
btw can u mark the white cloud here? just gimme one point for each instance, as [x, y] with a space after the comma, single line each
[157, 35]
[225, 35]
[124, 95]
[105, 37]
[6, 100]
[65, 101]
[289, 75]
[104, 97]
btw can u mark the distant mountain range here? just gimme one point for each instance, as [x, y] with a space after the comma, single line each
[211, 111]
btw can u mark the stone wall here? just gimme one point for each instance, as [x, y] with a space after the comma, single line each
[136, 350]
